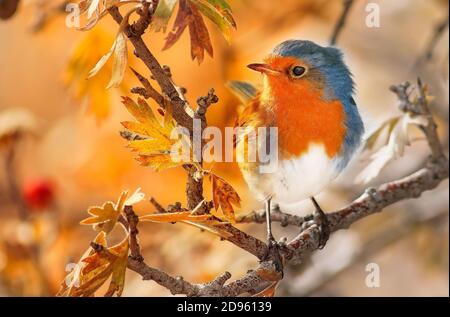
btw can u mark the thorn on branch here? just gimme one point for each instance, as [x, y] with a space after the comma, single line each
[148, 91]
[158, 206]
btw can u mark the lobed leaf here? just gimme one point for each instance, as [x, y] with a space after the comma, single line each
[104, 218]
[224, 197]
[155, 147]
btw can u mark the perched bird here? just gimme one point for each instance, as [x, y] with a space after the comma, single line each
[307, 95]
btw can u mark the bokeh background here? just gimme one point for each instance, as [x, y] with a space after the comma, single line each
[69, 155]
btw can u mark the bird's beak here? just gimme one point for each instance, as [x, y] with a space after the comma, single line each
[265, 69]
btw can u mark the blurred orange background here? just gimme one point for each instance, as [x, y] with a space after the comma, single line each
[88, 163]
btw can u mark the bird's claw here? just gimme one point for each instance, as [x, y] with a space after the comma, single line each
[321, 220]
[273, 254]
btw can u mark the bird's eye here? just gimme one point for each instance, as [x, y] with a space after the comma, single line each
[297, 71]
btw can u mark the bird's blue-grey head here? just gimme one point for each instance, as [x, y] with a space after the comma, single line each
[338, 84]
[328, 61]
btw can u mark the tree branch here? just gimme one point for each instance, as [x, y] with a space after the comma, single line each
[373, 201]
[194, 187]
[133, 220]
[276, 215]
[347, 5]
[142, 52]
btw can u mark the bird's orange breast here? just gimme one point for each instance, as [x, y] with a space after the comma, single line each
[303, 117]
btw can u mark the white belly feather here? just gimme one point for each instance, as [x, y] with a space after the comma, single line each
[296, 179]
[304, 177]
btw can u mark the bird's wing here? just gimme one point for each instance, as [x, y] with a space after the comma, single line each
[243, 90]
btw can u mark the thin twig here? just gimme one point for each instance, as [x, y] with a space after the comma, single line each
[150, 92]
[157, 205]
[347, 5]
[438, 32]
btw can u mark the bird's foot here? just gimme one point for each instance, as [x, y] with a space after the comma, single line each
[321, 220]
[318, 218]
[273, 254]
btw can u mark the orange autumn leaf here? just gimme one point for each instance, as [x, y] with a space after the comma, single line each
[205, 222]
[189, 17]
[269, 291]
[270, 274]
[174, 217]
[224, 197]
[95, 268]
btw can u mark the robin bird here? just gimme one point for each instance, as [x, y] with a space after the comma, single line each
[307, 96]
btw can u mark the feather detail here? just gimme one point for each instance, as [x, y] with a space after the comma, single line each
[245, 91]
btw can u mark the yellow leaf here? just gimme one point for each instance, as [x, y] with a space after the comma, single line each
[224, 197]
[155, 147]
[102, 61]
[92, 92]
[120, 61]
[104, 218]
[119, 48]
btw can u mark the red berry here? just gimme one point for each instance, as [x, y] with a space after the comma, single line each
[39, 193]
